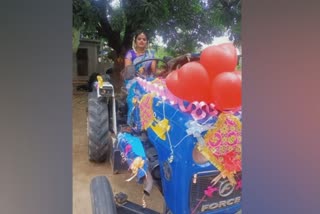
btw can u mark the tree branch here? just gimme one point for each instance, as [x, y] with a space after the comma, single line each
[236, 2]
[113, 37]
[108, 6]
[105, 29]
[224, 4]
[127, 39]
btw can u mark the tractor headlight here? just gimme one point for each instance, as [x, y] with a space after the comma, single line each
[198, 158]
[106, 90]
[103, 92]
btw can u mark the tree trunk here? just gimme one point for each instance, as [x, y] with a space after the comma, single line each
[116, 78]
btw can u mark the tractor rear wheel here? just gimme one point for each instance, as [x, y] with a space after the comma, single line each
[99, 139]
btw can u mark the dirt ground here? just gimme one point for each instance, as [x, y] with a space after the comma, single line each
[84, 170]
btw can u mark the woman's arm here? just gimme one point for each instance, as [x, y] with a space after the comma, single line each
[153, 66]
[127, 62]
[128, 59]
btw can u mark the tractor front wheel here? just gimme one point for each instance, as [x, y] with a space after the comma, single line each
[102, 198]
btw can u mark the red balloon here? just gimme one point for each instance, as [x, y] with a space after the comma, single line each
[226, 90]
[196, 81]
[173, 83]
[219, 58]
[191, 82]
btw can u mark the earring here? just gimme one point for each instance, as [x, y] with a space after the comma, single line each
[133, 45]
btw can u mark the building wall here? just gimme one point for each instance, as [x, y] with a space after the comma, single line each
[93, 64]
[92, 47]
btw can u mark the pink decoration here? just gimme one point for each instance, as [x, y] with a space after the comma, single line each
[210, 190]
[239, 185]
[198, 110]
[127, 149]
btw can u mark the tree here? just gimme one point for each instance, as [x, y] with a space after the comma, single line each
[183, 24]
[199, 21]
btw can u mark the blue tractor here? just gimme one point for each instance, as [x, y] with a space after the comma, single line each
[162, 145]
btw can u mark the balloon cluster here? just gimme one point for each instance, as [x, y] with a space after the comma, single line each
[213, 79]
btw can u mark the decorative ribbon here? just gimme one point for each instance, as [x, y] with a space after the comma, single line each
[100, 81]
[198, 110]
[137, 164]
[195, 129]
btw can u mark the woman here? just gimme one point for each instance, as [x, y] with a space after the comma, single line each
[139, 53]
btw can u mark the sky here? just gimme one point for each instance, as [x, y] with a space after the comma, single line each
[216, 41]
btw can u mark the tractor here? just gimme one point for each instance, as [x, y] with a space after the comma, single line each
[147, 131]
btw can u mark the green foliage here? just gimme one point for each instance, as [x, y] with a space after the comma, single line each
[183, 24]
[161, 52]
[118, 20]
[85, 18]
[75, 39]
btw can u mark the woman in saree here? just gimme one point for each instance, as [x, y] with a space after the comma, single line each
[133, 68]
[138, 53]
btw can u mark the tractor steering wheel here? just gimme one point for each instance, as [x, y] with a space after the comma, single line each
[163, 68]
[129, 72]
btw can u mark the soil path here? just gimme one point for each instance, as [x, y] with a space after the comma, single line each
[84, 170]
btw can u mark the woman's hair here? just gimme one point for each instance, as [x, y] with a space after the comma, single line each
[137, 33]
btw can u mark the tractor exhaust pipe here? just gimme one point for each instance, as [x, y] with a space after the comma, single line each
[114, 114]
[148, 184]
